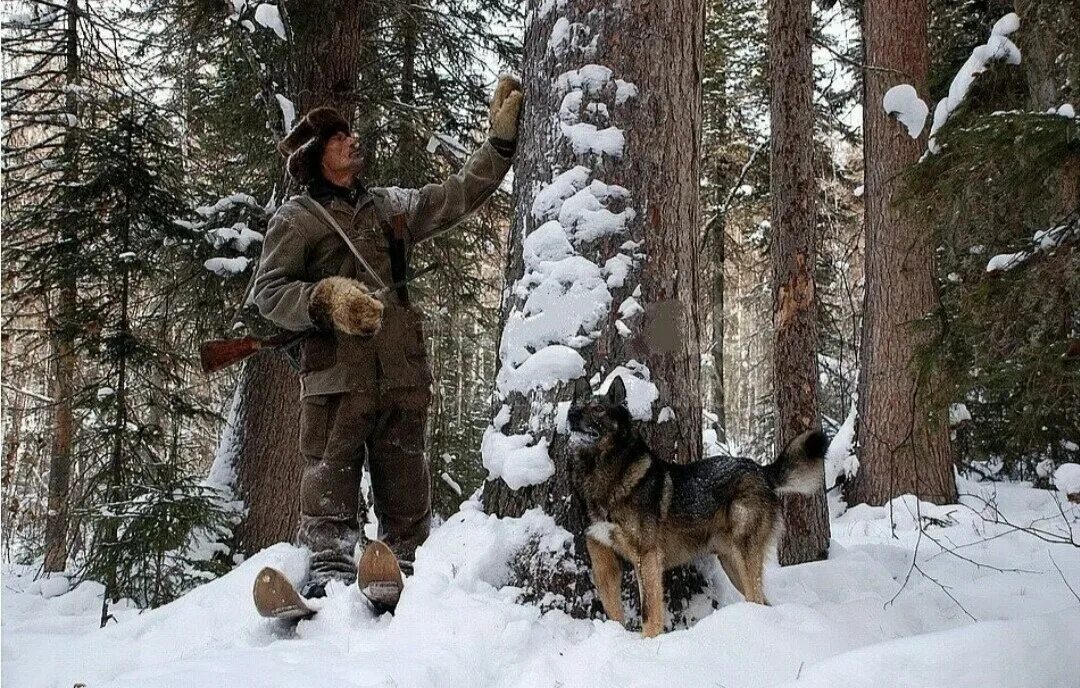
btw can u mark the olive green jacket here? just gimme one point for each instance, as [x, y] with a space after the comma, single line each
[301, 248]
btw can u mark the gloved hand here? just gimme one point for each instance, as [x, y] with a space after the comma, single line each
[505, 109]
[345, 305]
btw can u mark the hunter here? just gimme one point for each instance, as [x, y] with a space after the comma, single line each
[364, 374]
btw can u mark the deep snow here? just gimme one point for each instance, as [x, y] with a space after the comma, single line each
[836, 622]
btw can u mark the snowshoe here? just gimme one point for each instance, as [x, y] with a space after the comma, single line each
[379, 576]
[277, 598]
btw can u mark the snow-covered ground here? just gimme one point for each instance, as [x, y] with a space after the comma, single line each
[850, 621]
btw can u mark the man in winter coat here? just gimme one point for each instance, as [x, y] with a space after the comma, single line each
[364, 374]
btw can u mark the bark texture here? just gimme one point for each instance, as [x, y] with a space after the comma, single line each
[657, 47]
[793, 255]
[903, 444]
[64, 325]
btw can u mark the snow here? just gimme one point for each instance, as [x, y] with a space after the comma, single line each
[451, 483]
[1067, 479]
[1007, 25]
[630, 307]
[288, 110]
[911, 110]
[958, 413]
[547, 5]
[54, 585]
[1042, 241]
[541, 370]
[840, 458]
[997, 48]
[641, 393]
[239, 236]
[550, 198]
[624, 91]
[519, 460]
[567, 35]
[226, 203]
[1067, 110]
[587, 138]
[591, 79]
[227, 267]
[1005, 261]
[617, 268]
[839, 622]
[269, 16]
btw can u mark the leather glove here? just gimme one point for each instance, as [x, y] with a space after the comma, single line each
[345, 305]
[505, 109]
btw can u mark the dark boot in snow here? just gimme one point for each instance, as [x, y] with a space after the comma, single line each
[325, 567]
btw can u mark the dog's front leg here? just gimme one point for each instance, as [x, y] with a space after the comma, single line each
[650, 574]
[607, 574]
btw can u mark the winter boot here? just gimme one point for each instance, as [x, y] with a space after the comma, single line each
[325, 567]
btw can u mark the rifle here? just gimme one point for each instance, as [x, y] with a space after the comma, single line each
[219, 354]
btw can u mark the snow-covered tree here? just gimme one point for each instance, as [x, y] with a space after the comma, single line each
[602, 275]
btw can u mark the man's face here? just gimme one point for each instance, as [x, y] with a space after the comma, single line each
[342, 156]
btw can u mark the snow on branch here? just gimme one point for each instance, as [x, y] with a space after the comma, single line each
[998, 48]
[270, 17]
[904, 103]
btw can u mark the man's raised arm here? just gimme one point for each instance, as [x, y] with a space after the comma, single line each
[436, 208]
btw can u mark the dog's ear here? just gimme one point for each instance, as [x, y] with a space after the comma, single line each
[616, 393]
[582, 390]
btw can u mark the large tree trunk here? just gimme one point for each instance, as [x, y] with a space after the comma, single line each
[268, 461]
[793, 254]
[653, 97]
[903, 445]
[327, 53]
[63, 392]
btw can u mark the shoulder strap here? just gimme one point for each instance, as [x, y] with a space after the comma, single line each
[316, 208]
[399, 255]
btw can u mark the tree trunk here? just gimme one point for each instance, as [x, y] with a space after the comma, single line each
[63, 392]
[268, 464]
[327, 53]
[903, 445]
[653, 97]
[794, 221]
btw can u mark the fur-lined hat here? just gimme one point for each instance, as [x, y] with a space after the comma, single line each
[304, 144]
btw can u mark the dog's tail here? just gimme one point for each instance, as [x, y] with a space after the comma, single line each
[800, 468]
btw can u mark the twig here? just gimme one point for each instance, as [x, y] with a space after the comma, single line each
[32, 395]
[1063, 579]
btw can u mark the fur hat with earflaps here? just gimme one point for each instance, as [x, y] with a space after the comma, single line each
[304, 144]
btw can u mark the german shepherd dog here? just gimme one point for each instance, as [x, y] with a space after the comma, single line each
[658, 515]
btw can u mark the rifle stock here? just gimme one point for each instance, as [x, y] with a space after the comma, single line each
[219, 354]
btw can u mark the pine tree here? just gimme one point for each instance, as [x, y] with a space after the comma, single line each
[1002, 196]
[794, 257]
[138, 499]
[633, 273]
[42, 144]
[903, 440]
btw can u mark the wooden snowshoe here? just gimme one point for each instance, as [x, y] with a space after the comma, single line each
[277, 598]
[379, 576]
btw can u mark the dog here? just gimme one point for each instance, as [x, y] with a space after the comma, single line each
[658, 515]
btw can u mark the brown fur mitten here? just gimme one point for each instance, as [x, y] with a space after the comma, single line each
[346, 305]
[505, 108]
